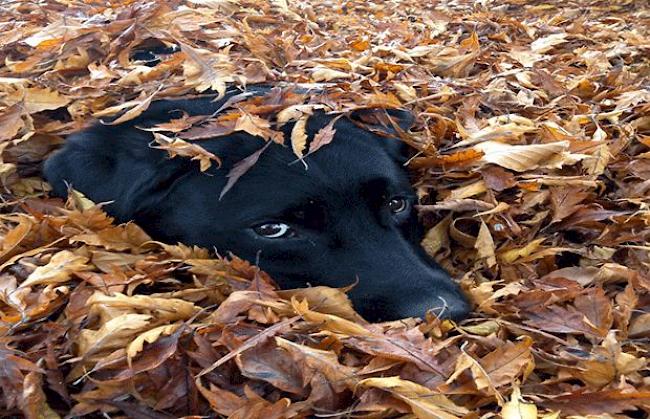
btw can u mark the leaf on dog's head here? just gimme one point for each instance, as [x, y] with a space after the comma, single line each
[294, 112]
[203, 74]
[177, 147]
[240, 168]
[299, 136]
[175, 125]
[138, 106]
[324, 136]
[258, 127]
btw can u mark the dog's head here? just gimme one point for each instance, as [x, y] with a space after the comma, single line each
[344, 216]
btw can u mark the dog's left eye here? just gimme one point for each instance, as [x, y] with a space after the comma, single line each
[396, 205]
[274, 230]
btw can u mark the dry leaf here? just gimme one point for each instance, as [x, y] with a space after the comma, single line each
[520, 158]
[423, 402]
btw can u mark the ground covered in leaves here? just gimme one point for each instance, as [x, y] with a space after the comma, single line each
[532, 166]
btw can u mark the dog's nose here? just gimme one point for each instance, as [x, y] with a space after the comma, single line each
[383, 308]
[458, 310]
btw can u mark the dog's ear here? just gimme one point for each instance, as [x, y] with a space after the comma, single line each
[114, 164]
[389, 121]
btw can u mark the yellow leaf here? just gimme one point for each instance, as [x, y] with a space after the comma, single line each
[406, 93]
[468, 191]
[424, 403]
[58, 270]
[321, 73]
[43, 99]
[203, 74]
[115, 333]
[299, 136]
[597, 162]
[177, 147]
[294, 112]
[520, 157]
[258, 127]
[324, 300]
[167, 309]
[437, 237]
[485, 328]
[329, 322]
[485, 245]
[547, 43]
[517, 409]
[150, 336]
[512, 255]
[80, 201]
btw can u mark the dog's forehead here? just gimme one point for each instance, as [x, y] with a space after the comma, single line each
[352, 157]
[338, 170]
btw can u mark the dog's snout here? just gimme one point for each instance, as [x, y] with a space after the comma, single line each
[413, 302]
[442, 305]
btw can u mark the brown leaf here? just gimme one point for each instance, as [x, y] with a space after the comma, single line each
[498, 368]
[222, 401]
[34, 402]
[597, 403]
[557, 319]
[497, 178]
[177, 147]
[267, 362]
[43, 99]
[58, 270]
[324, 136]
[597, 309]
[310, 361]
[11, 121]
[240, 168]
[565, 200]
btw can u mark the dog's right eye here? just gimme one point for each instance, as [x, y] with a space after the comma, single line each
[274, 230]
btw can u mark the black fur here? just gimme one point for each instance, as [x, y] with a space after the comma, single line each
[337, 206]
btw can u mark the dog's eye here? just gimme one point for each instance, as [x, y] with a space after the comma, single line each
[274, 230]
[396, 205]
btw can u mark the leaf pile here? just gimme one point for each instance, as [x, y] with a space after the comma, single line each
[532, 168]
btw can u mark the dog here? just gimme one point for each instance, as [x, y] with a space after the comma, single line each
[346, 216]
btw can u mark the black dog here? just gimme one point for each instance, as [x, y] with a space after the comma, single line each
[348, 217]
